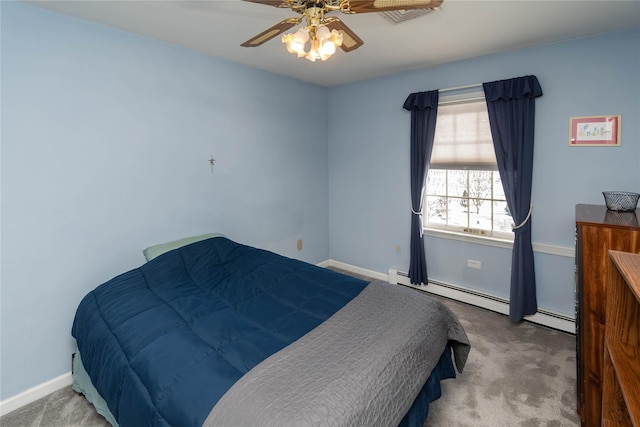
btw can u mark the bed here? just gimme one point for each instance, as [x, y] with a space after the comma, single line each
[216, 333]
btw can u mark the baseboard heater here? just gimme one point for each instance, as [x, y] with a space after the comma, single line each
[490, 302]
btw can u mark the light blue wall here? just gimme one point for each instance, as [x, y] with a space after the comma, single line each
[106, 138]
[369, 132]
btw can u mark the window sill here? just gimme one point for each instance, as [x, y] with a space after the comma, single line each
[469, 238]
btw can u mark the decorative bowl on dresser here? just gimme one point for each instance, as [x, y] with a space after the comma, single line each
[598, 230]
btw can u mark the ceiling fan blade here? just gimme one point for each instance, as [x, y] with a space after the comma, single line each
[275, 3]
[365, 6]
[350, 40]
[270, 33]
[295, 5]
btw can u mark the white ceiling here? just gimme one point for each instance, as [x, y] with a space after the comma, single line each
[460, 29]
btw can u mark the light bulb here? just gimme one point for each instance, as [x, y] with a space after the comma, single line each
[295, 42]
[296, 46]
[323, 32]
[286, 39]
[336, 38]
[302, 35]
[327, 48]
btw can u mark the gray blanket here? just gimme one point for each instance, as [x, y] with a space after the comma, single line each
[364, 366]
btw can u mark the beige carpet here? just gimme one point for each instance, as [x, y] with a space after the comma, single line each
[516, 375]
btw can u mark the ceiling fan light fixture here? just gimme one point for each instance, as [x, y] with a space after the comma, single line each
[322, 42]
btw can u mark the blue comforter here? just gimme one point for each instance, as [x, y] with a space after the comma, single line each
[163, 343]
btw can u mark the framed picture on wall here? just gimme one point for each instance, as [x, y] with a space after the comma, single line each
[598, 131]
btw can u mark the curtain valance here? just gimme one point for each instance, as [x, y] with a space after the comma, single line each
[421, 101]
[516, 88]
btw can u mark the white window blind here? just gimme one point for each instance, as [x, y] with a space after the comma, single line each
[463, 136]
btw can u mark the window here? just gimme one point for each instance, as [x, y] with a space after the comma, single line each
[463, 191]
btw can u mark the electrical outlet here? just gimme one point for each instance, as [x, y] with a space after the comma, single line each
[300, 244]
[472, 263]
[397, 249]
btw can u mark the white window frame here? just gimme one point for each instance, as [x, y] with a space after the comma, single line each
[466, 234]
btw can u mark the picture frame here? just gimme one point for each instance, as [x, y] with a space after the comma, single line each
[594, 131]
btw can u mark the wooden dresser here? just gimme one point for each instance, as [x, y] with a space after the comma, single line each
[621, 386]
[598, 230]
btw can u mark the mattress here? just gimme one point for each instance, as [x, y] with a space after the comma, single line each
[163, 343]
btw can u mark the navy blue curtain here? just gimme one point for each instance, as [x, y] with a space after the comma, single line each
[511, 106]
[424, 108]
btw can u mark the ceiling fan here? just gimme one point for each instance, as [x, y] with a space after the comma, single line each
[326, 33]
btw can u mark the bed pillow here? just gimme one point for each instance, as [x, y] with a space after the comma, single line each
[156, 250]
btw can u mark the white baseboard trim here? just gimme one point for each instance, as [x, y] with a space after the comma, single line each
[543, 317]
[31, 395]
[353, 269]
[500, 305]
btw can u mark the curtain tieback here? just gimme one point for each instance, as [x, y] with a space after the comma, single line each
[523, 223]
[419, 214]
